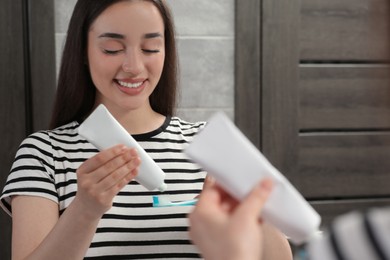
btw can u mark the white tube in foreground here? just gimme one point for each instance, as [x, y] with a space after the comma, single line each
[237, 165]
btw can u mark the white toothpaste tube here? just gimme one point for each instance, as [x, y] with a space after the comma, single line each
[237, 165]
[103, 131]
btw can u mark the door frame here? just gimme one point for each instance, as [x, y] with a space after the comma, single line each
[27, 79]
[267, 78]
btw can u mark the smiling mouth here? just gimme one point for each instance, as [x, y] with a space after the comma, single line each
[128, 84]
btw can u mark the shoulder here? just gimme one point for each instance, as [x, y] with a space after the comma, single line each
[185, 127]
[45, 137]
[43, 141]
[179, 131]
[69, 130]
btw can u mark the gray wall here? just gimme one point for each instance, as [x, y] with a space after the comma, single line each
[205, 31]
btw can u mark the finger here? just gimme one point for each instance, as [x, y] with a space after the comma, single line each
[113, 165]
[101, 158]
[208, 198]
[113, 191]
[120, 175]
[208, 182]
[214, 194]
[256, 199]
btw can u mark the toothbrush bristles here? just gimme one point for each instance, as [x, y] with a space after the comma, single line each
[162, 201]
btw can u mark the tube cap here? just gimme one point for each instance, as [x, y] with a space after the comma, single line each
[163, 187]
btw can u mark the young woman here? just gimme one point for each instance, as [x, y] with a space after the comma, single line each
[70, 201]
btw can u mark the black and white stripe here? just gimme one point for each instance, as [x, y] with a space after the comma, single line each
[46, 163]
[355, 236]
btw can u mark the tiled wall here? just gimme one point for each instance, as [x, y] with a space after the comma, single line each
[205, 31]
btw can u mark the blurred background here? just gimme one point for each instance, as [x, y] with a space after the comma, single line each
[307, 81]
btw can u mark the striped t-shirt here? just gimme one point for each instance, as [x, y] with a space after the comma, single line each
[357, 235]
[45, 165]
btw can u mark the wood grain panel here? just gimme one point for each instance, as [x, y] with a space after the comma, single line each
[12, 108]
[43, 70]
[345, 30]
[336, 165]
[247, 69]
[344, 97]
[280, 25]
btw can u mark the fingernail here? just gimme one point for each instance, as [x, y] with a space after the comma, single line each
[133, 152]
[137, 160]
[266, 184]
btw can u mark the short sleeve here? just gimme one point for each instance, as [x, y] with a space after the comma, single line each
[32, 172]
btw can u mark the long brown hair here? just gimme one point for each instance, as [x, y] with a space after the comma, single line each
[75, 96]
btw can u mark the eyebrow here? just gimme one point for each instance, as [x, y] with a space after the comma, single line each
[112, 35]
[121, 36]
[152, 35]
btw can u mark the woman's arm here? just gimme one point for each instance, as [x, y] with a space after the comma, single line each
[276, 245]
[39, 232]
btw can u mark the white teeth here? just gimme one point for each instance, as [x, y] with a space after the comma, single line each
[129, 85]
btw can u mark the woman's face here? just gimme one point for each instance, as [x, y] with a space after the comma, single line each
[126, 54]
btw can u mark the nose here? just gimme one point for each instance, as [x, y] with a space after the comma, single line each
[132, 63]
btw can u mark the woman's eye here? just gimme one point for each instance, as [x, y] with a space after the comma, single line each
[111, 52]
[150, 51]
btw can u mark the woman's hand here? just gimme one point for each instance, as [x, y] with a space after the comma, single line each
[223, 228]
[101, 177]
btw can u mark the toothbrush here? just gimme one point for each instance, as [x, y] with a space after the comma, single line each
[161, 201]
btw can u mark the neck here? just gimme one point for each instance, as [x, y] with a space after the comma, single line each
[137, 121]
[140, 123]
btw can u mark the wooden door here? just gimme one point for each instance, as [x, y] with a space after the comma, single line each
[313, 93]
[27, 83]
